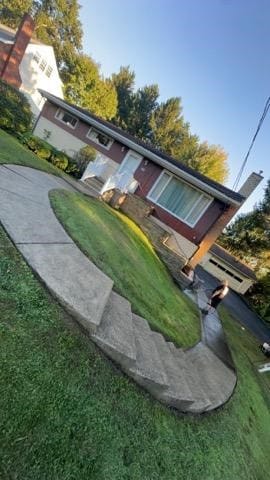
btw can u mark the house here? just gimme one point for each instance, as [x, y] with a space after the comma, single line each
[222, 265]
[28, 64]
[192, 208]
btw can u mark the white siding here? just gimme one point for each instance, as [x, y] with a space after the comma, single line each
[34, 78]
[59, 138]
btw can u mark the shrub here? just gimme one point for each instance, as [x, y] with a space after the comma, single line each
[15, 112]
[84, 156]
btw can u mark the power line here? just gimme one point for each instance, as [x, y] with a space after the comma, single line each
[266, 108]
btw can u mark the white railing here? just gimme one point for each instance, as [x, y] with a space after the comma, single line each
[95, 168]
[125, 182]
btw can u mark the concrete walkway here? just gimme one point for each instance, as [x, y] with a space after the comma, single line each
[197, 380]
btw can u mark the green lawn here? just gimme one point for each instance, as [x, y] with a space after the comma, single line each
[11, 151]
[121, 250]
[68, 414]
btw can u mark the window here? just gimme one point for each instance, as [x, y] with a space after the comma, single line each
[37, 57]
[179, 198]
[43, 65]
[228, 272]
[49, 71]
[100, 138]
[66, 118]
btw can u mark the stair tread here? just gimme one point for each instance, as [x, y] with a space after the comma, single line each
[178, 390]
[148, 364]
[115, 333]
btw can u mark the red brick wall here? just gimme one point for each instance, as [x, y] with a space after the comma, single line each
[10, 69]
[4, 51]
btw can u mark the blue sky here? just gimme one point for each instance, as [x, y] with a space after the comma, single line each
[214, 54]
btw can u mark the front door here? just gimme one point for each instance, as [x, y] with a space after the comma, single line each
[128, 167]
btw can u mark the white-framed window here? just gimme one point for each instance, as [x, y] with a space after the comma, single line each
[49, 71]
[179, 198]
[43, 65]
[37, 57]
[100, 138]
[66, 118]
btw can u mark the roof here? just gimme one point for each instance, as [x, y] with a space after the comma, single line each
[233, 261]
[149, 151]
[7, 34]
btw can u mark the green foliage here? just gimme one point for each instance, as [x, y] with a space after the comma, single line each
[15, 112]
[163, 125]
[46, 151]
[84, 86]
[11, 11]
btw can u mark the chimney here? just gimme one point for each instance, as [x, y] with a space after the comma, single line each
[250, 184]
[10, 72]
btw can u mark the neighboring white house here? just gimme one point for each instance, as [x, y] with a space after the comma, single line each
[35, 63]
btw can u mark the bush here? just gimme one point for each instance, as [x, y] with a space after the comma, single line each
[15, 112]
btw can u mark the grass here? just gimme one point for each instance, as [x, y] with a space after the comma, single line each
[67, 414]
[121, 250]
[13, 152]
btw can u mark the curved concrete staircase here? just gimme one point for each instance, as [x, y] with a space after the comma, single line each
[196, 380]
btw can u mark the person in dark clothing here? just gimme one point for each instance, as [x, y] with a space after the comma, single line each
[217, 296]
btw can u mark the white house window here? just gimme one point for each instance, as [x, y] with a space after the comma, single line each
[49, 71]
[43, 65]
[178, 198]
[100, 138]
[66, 118]
[37, 57]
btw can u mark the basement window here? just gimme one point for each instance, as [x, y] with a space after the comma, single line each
[179, 198]
[66, 118]
[100, 138]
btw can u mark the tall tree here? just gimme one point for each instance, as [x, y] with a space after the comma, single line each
[169, 132]
[84, 86]
[210, 160]
[123, 82]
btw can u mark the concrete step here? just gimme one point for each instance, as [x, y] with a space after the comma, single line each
[178, 393]
[201, 401]
[148, 370]
[76, 282]
[94, 183]
[115, 334]
[215, 377]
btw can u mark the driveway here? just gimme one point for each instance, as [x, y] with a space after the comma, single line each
[238, 308]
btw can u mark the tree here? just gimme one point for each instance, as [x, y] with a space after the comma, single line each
[124, 85]
[11, 12]
[169, 132]
[84, 86]
[210, 160]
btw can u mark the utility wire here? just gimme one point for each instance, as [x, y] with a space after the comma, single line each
[266, 108]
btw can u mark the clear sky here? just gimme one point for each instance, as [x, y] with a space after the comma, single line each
[214, 54]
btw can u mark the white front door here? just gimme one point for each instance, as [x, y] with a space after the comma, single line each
[128, 167]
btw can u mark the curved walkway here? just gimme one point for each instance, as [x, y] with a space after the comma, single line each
[197, 380]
